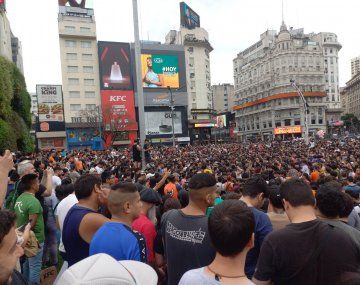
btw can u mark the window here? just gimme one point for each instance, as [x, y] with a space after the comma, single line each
[69, 28]
[89, 94]
[75, 107]
[71, 55]
[90, 106]
[73, 81]
[89, 82]
[193, 105]
[88, 69]
[84, 29]
[70, 43]
[191, 61]
[87, 56]
[85, 44]
[74, 94]
[287, 122]
[297, 122]
[72, 69]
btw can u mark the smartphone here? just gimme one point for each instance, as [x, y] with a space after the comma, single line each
[22, 228]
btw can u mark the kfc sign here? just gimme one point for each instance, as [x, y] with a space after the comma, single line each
[117, 98]
[118, 110]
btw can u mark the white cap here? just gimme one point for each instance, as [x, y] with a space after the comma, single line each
[149, 175]
[102, 269]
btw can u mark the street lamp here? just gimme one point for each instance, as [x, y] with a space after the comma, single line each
[306, 109]
[139, 86]
[172, 114]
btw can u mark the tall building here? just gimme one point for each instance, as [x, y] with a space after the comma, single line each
[195, 41]
[34, 104]
[223, 97]
[266, 103]
[16, 50]
[80, 76]
[355, 66]
[352, 95]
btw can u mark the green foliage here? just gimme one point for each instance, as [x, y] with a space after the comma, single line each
[350, 120]
[15, 104]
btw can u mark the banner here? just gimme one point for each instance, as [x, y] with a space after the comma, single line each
[118, 110]
[160, 70]
[160, 123]
[115, 66]
[50, 108]
[287, 130]
[188, 18]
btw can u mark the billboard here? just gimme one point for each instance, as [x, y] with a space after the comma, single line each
[2, 5]
[160, 70]
[118, 110]
[115, 66]
[287, 130]
[83, 4]
[221, 121]
[50, 108]
[188, 18]
[160, 123]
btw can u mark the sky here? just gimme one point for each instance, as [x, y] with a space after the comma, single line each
[233, 25]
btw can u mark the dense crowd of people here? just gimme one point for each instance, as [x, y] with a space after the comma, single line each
[276, 213]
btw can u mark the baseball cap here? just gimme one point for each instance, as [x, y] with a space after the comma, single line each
[103, 269]
[150, 196]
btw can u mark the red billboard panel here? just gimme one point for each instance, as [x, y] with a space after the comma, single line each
[118, 110]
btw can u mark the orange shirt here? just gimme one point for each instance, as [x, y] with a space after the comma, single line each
[315, 175]
[78, 165]
[170, 188]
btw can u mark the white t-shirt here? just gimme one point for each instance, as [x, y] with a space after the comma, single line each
[61, 212]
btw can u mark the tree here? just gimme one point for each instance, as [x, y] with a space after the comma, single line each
[350, 121]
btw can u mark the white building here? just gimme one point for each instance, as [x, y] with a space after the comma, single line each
[266, 103]
[355, 66]
[79, 62]
[223, 97]
[34, 104]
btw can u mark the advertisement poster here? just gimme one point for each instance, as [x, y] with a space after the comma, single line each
[50, 103]
[160, 71]
[81, 135]
[118, 109]
[221, 121]
[115, 66]
[160, 123]
[83, 4]
[188, 18]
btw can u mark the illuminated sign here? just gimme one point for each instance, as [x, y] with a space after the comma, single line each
[207, 125]
[288, 130]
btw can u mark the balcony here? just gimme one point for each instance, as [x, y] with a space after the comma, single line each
[192, 40]
[77, 34]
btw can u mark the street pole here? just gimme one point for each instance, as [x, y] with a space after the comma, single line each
[306, 111]
[172, 115]
[99, 125]
[139, 86]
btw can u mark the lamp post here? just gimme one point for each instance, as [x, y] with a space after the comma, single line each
[139, 86]
[172, 108]
[306, 111]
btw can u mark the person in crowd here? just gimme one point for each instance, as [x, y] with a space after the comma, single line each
[147, 149]
[254, 193]
[329, 203]
[73, 174]
[276, 212]
[307, 251]
[82, 220]
[116, 237]
[170, 188]
[231, 230]
[351, 185]
[10, 250]
[146, 220]
[185, 232]
[28, 210]
[136, 154]
[6, 165]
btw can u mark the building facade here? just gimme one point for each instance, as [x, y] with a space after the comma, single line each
[355, 66]
[267, 104]
[223, 97]
[80, 76]
[197, 58]
[352, 94]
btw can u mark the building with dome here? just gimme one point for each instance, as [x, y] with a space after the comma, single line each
[266, 104]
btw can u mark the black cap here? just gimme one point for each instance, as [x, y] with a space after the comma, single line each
[150, 196]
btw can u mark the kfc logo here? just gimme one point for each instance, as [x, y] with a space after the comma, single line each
[117, 98]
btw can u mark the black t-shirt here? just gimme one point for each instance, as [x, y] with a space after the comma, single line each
[136, 152]
[285, 255]
[186, 242]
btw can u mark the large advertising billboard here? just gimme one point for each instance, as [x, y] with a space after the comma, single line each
[160, 123]
[118, 110]
[160, 70]
[50, 108]
[221, 121]
[188, 18]
[115, 66]
[83, 4]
